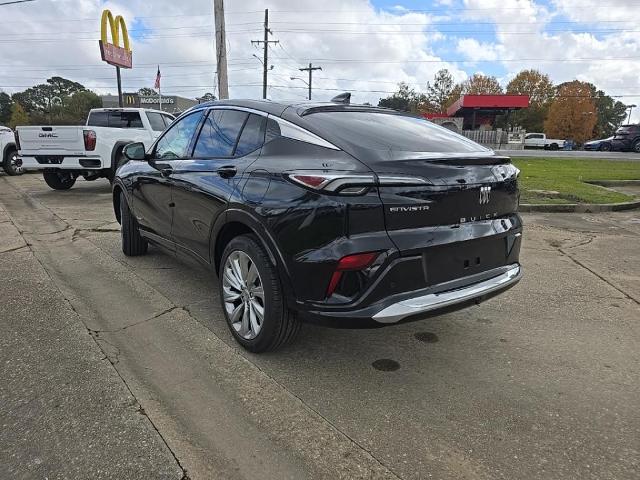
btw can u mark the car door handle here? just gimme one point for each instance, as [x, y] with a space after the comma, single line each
[227, 171]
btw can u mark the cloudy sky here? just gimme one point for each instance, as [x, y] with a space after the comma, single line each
[365, 47]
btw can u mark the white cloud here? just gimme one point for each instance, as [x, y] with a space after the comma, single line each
[608, 70]
[38, 42]
[334, 30]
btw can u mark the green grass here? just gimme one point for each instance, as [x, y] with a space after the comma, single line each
[568, 177]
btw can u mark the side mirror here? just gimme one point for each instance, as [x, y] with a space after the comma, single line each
[135, 151]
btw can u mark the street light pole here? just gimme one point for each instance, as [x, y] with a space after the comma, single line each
[310, 69]
[630, 107]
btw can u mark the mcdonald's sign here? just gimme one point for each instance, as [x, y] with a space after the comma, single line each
[113, 53]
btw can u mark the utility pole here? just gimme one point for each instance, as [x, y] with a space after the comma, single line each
[310, 69]
[221, 49]
[265, 42]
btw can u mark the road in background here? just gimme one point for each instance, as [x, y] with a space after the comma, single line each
[538, 383]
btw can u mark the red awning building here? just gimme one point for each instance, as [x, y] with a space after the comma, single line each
[480, 111]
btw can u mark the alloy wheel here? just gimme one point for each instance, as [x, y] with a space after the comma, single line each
[243, 294]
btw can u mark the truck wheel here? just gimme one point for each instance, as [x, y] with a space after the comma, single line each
[554, 146]
[133, 244]
[59, 180]
[11, 163]
[252, 298]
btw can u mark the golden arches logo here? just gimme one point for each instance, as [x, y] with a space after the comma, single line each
[113, 53]
[116, 26]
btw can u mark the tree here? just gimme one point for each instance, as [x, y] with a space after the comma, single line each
[18, 116]
[611, 114]
[78, 107]
[5, 108]
[406, 99]
[207, 97]
[440, 92]
[572, 114]
[147, 92]
[480, 84]
[46, 101]
[540, 90]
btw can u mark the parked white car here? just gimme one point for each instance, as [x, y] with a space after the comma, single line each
[540, 140]
[64, 153]
[9, 159]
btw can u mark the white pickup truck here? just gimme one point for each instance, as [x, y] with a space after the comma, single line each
[92, 151]
[8, 152]
[540, 140]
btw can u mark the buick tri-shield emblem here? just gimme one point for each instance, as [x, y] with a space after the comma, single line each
[485, 194]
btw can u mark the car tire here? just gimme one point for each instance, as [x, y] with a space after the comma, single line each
[59, 179]
[9, 163]
[133, 244]
[605, 147]
[554, 146]
[240, 286]
[636, 146]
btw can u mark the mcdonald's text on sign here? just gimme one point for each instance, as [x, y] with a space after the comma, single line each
[114, 53]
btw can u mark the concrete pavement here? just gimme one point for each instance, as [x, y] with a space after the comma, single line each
[538, 383]
[64, 411]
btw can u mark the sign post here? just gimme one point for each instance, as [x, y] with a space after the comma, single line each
[113, 53]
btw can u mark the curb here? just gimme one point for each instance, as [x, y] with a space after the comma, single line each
[615, 183]
[578, 207]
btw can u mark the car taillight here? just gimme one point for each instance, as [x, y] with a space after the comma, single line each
[345, 183]
[17, 140]
[89, 140]
[358, 261]
[338, 183]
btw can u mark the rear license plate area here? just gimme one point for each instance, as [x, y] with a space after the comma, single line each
[449, 262]
[49, 159]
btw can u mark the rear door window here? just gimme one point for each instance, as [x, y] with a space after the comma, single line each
[252, 136]
[219, 133]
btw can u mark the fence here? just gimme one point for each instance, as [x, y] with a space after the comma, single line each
[496, 139]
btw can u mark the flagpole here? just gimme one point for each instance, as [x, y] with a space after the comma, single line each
[160, 97]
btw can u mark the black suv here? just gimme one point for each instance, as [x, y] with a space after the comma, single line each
[345, 214]
[627, 137]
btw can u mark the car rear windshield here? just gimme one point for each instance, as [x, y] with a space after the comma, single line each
[391, 132]
[115, 119]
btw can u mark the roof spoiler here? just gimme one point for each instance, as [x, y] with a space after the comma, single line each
[342, 98]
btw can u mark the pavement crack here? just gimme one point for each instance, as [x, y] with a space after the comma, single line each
[135, 324]
[593, 272]
[14, 249]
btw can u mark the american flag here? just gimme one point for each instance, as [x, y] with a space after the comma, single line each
[157, 84]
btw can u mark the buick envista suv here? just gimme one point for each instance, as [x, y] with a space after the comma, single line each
[329, 212]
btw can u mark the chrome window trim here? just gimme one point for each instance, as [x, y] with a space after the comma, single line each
[287, 129]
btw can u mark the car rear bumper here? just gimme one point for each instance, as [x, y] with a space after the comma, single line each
[448, 298]
[61, 162]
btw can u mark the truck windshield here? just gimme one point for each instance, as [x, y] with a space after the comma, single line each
[115, 119]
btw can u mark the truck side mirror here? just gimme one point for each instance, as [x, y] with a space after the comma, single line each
[135, 151]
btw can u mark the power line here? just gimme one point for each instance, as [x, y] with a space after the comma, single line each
[15, 1]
